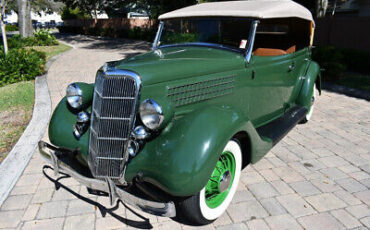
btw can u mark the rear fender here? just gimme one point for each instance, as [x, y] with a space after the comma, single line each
[312, 76]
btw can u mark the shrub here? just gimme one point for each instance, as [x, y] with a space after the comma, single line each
[357, 60]
[40, 38]
[21, 65]
[68, 13]
[15, 42]
[44, 38]
[331, 60]
[10, 28]
[336, 61]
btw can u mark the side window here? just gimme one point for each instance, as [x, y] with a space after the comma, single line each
[280, 37]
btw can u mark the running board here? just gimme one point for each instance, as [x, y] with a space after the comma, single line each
[277, 129]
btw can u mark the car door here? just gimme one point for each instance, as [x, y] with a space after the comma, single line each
[266, 87]
[292, 84]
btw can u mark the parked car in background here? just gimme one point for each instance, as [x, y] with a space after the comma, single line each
[39, 25]
[34, 24]
[224, 83]
[59, 24]
[52, 24]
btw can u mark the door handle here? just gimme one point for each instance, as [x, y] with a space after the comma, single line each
[291, 67]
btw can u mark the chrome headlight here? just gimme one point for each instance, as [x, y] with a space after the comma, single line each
[151, 114]
[74, 96]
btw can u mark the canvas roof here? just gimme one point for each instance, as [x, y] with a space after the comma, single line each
[262, 9]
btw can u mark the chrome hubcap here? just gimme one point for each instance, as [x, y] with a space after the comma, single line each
[225, 181]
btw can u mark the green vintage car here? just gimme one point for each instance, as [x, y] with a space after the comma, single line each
[169, 131]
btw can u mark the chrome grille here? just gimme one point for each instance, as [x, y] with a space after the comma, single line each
[113, 112]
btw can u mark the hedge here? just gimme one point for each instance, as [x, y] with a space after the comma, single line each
[21, 65]
[336, 61]
[10, 28]
[40, 38]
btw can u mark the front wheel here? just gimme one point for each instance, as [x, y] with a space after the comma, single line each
[212, 201]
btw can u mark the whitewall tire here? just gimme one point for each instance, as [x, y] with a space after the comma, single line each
[310, 111]
[212, 201]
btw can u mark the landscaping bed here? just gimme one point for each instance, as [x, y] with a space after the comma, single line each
[346, 67]
[52, 51]
[25, 60]
[16, 105]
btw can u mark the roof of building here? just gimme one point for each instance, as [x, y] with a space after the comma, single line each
[262, 9]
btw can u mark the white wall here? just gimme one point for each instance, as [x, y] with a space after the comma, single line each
[13, 18]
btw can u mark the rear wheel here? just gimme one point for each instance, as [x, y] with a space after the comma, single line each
[212, 201]
[310, 110]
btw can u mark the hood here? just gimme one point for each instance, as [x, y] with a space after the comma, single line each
[174, 63]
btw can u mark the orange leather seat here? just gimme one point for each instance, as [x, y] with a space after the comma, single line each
[269, 52]
[291, 50]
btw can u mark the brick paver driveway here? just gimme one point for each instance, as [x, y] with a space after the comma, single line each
[315, 178]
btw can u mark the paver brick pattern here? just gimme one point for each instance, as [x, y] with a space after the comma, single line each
[317, 177]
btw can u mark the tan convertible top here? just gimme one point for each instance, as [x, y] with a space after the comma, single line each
[262, 9]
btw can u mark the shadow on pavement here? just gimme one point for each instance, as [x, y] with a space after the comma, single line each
[145, 224]
[351, 92]
[102, 43]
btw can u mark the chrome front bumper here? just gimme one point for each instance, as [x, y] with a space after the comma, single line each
[47, 151]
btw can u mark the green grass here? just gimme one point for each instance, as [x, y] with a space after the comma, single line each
[52, 51]
[16, 104]
[20, 94]
[355, 80]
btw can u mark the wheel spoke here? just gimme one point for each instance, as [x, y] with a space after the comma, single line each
[226, 163]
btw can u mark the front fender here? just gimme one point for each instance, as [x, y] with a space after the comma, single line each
[312, 76]
[181, 160]
[61, 130]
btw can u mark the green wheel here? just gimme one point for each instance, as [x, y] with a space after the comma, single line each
[212, 201]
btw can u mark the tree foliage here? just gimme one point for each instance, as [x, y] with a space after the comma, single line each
[120, 7]
[47, 6]
[158, 7]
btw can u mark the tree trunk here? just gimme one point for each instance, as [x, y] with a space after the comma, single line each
[2, 25]
[321, 7]
[24, 18]
[95, 16]
[3, 32]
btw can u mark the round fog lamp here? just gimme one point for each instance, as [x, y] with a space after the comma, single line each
[74, 95]
[151, 114]
[83, 117]
[140, 133]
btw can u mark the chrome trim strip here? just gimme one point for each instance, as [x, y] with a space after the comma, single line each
[166, 209]
[110, 158]
[112, 118]
[252, 35]
[158, 36]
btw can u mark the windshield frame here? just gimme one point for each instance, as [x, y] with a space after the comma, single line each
[246, 53]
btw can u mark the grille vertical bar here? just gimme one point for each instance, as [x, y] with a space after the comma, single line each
[113, 113]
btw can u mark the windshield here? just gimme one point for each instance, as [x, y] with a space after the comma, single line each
[229, 32]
